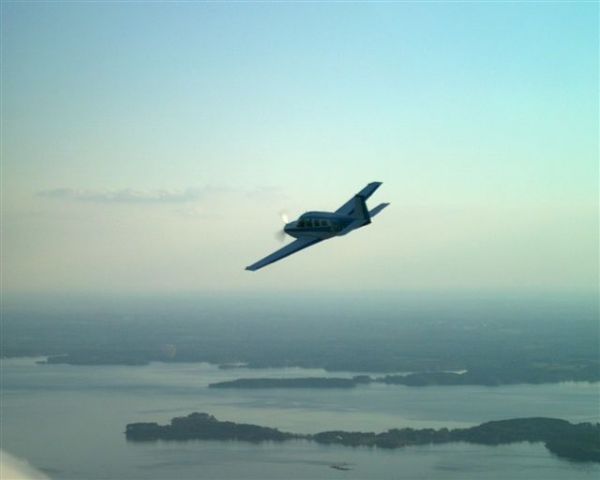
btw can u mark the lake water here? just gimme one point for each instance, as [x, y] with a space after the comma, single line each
[69, 421]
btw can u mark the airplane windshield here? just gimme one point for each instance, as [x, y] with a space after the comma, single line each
[314, 223]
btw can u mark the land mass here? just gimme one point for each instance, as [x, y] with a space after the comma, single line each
[304, 382]
[492, 376]
[575, 442]
[489, 375]
[501, 340]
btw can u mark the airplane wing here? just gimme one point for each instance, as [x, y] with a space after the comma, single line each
[348, 207]
[293, 247]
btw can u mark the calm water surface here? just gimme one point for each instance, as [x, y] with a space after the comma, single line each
[69, 422]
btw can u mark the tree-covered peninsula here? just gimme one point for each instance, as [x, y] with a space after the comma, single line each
[491, 375]
[302, 382]
[575, 442]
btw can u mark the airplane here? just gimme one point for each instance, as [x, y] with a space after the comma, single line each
[314, 227]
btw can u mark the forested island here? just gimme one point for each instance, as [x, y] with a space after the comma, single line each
[305, 382]
[575, 442]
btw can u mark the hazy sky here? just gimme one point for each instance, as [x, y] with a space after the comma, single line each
[151, 146]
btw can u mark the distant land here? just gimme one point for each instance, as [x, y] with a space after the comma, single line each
[505, 373]
[489, 377]
[575, 442]
[496, 341]
[305, 382]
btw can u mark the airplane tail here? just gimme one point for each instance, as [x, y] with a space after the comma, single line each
[361, 212]
[377, 209]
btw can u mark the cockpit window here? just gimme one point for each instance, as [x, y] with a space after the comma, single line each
[300, 223]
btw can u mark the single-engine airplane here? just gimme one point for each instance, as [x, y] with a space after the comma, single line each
[314, 227]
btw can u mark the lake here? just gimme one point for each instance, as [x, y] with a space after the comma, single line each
[69, 421]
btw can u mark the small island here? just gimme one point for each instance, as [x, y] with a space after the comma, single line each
[303, 382]
[575, 442]
[202, 426]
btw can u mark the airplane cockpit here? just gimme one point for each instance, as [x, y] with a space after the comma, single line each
[314, 223]
[319, 224]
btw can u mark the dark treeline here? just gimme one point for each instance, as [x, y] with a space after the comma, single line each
[578, 442]
[305, 382]
[504, 374]
[202, 426]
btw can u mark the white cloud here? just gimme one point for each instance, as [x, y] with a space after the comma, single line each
[164, 196]
[127, 195]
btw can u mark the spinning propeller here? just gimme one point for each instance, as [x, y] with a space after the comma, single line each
[280, 234]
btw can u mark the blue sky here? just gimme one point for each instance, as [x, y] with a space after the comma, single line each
[150, 146]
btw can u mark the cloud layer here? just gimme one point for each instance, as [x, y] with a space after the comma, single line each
[127, 195]
[158, 196]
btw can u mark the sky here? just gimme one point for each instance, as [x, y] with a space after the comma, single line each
[151, 146]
